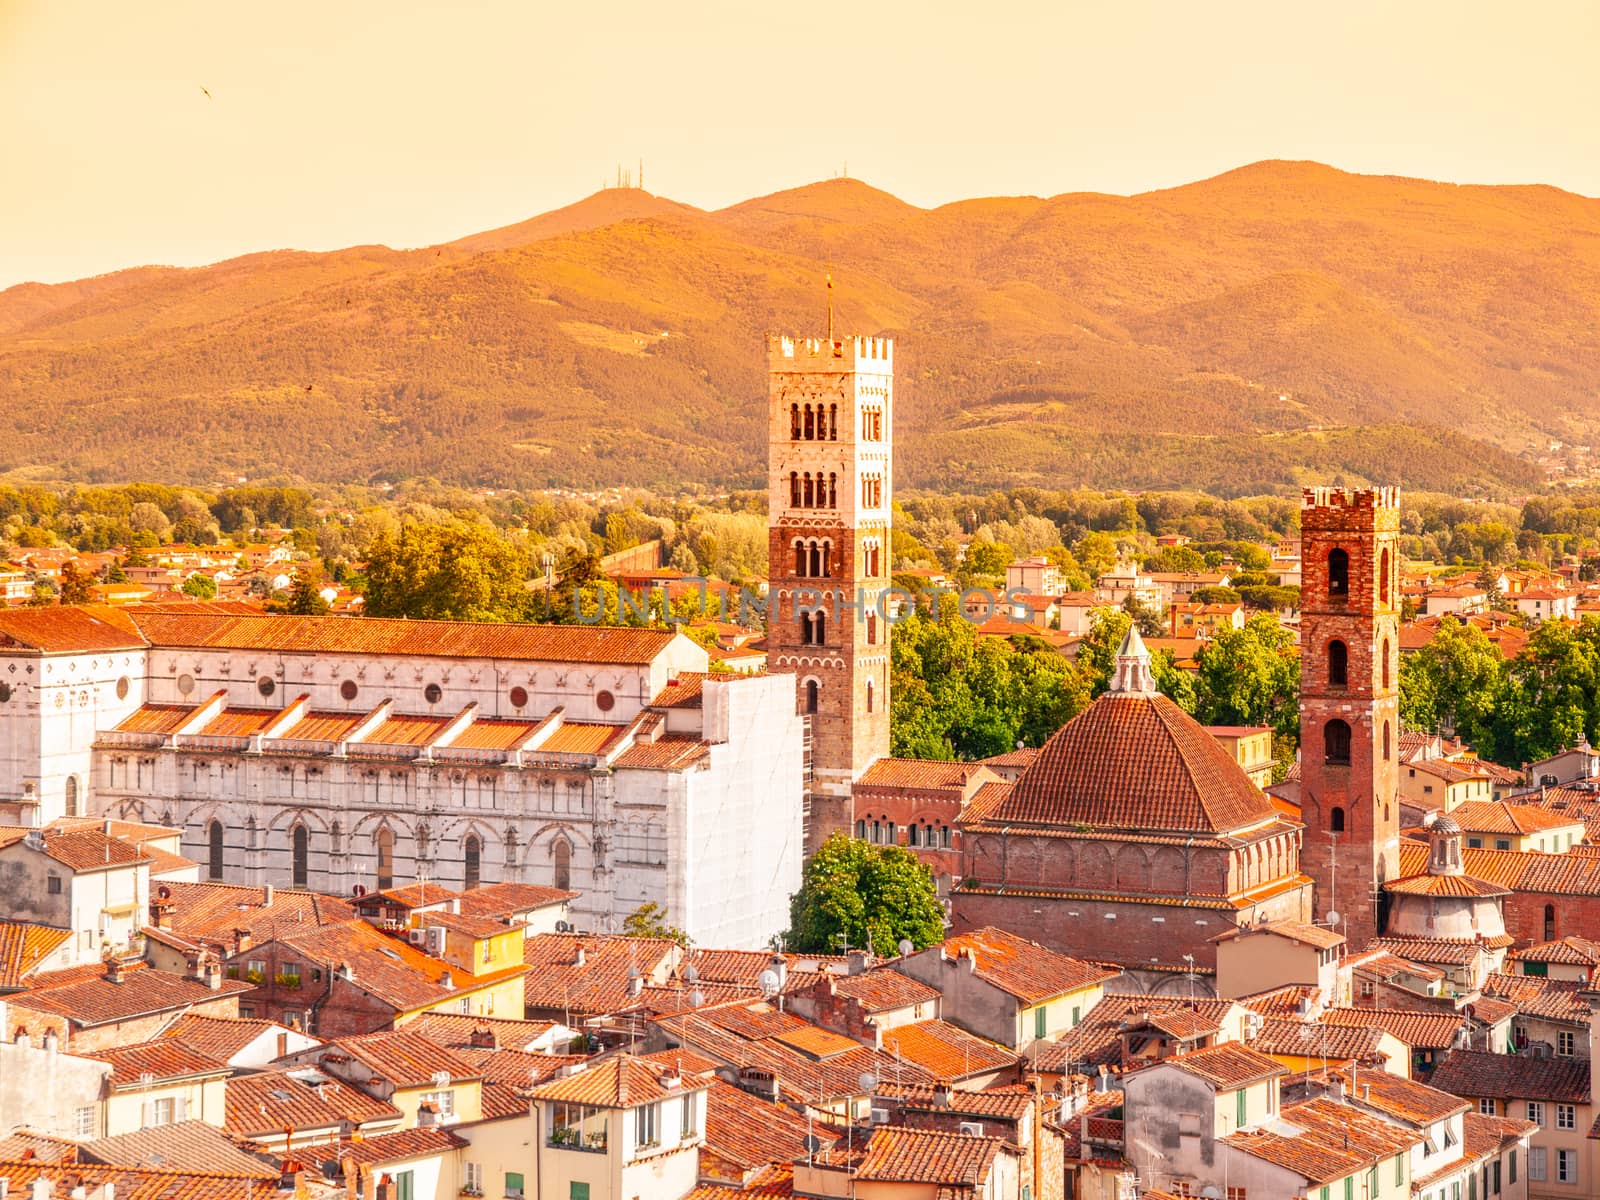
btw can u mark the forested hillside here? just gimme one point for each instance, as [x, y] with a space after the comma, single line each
[1279, 323]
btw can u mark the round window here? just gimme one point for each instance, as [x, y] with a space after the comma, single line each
[185, 684]
[604, 701]
[122, 688]
[519, 697]
[348, 689]
[433, 693]
[266, 685]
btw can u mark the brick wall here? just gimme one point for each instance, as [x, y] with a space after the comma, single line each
[1349, 865]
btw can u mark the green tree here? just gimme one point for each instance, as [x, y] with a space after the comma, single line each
[201, 587]
[1097, 659]
[75, 584]
[446, 572]
[1097, 551]
[1251, 676]
[1146, 618]
[856, 894]
[115, 573]
[304, 599]
[1459, 679]
[649, 920]
[1552, 696]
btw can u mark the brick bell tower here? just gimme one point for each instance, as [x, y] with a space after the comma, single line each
[830, 409]
[1350, 701]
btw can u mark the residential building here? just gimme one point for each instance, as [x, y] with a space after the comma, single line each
[1251, 747]
[1256, 958]
[85, 881]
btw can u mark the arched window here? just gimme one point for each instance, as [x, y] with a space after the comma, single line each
[811, 428]
[809, 489]
[300, 840]
[819, 628]
[913, 834]
[1549, 922]
[833, 489]
[1338, 663]
[561, 855]
[794, 489]
[891, 836]
[944, 836]
[1386, 663]
[877, 832]
[861, 830]
[1338, 574]
[869, 695]
[214, 851]
[872, 629]
[1336, 819]
[385, 841]
[72, 795]
[1383, 576]
[794, 422]
[833, 422]
[1336, 743]
[827, 560]
[799, 557]
[812, 695]
[1387, 747]
[472, 852]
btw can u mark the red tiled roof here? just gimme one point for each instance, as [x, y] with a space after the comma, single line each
[504, 899]
[1311, 1039]
[1477, 1074]
[80, 849]
[392, 638]
[1427, 1030]
[130, 1183]
[775, 1182]
[1451, 952]
[557, 983]
[411, 895]
[1552, 999]
[162, 1060]
[1444, 885]
[266, 1103]
[1136, 762]
[900, 1155]
[210, 912]
[220, 1037]
[396, 1147]
[61, 629]
[670, 752]
[1401, 1098]
[945, 1050]
[883, 989]
[749, 1132]
[403, 1058]
[619, 1082]
[1502, 816]
[456, 1030]
[1021, 968]
[923, 774]
[97, 1001]
[187, 1145]
[23, 947]
[1567, 951]
[1302, 1156]
[156, 718]
[1228, 1065]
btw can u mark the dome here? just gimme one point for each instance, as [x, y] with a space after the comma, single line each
[1445, 825]
[1135, 760]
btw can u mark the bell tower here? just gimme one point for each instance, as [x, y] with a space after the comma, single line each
[1350, 701]
[830, 408]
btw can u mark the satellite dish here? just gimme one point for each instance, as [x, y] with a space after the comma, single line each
[359, 890]
[868, 1081]
[697, 998]
[690, 975]
[769, 983]
[905, 947]
[1333, 917]
[812, 1143]
[164, 892]
[563, 927]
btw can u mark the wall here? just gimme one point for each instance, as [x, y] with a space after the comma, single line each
[1256, 962]
[497, 1147]
[43, 1089]
[194, 1100]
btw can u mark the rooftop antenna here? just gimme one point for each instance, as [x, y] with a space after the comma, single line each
[830, 306]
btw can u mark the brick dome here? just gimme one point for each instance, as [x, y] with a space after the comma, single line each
[1135, 761]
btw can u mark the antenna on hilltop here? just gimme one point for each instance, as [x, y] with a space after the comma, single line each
[830, 306]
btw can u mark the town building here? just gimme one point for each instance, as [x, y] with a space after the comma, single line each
[332, 753]
[829, 497]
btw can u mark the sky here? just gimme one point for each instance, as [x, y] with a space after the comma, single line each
[184, 133]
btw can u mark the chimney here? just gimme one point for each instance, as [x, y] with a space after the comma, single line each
[43, 1189]
[427, 1115]
[780, 967]
[241, 940]
[454, 906]
[483, 1038]
[857, 961]
[386, 1189]
[211, 975]
[941, 1094]
[113, 970]
[577, 959]
[106, 828]
[266, 896]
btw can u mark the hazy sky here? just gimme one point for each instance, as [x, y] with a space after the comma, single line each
[339, 122]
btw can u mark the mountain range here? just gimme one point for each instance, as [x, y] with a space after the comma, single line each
[1282, 323]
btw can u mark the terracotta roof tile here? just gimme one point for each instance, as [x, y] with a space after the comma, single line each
[1282, 1001]
[401, 1057]
[1022, 968]
[411, 895]
[162, 1060]
[1450, 952]
[899, 1155]
[1502, 816]
[131, 1183]
[97, 1001]
[220, 1037]
[82, 849]
[921, 774]
[1444, 885]
[456, 1030]
[23, 947]
[558, 983]
[1228, 1065]
[1400, 1098]
[1094, 1041]
[186, 1145]
[1303, 1156]
[376, 635]
[1568, 951]
[1483, 1135]
[382, 1149]
[67, 628]
[156, 718]
[210, 912]
[750, 1132]
[1311, 1039]
[505, 899]
[1136, 762]
[670, 752]
[945, 1050]
[1338, 1126]
[266, 1103]
[1423, 1030]
[775, 1182]
[1477, 1074]
[883, 989]
[619, 1082]
[1552, 999]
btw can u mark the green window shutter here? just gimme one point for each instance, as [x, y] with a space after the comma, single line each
[404, 1186]
[1239, 1108]
[513, 1183]
[1077, 1015]
[1039, 1021]
[1349, 1187]
[580, 1191]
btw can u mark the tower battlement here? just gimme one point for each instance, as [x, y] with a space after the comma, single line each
[1338, 497]
[844, 354]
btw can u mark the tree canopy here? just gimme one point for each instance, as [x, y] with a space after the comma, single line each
[856, 894]
[446, 573]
